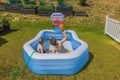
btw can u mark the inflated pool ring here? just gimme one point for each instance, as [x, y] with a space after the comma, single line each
[67, 63]
[57, 22]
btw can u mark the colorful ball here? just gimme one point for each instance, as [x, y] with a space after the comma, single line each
[61, 27]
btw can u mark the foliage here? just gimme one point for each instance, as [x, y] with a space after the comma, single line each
[26, 0]
[13, 5]
[5, 21]
[46, 6]
[14, 1]
[28, 6]
[30, 1]
[65, 7]
[60, 2]
[42, 3]
[83, 2]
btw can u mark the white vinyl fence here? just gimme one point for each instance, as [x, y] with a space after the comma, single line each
[112, 28]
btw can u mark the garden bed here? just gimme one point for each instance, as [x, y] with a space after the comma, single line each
[15, 1]
[13, 8]
[2, 6]
[67, 13]
[45, 12]
[30, 2]
[65, 8]
[27, 11]
[80, 13]
[45, 9]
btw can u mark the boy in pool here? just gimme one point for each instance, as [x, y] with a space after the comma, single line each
[39, 47]
[58, 47]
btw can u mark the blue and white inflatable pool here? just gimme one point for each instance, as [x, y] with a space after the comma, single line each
[59, 63]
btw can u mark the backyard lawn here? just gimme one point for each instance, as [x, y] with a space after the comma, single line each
[104, 52]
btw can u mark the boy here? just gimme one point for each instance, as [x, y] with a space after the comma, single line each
[39, 47]
[58, 47]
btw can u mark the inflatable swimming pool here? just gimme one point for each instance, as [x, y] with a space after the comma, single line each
[60, 63]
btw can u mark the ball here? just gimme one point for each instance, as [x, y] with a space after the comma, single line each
[61, 27]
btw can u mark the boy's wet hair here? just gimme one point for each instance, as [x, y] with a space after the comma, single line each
[53, 41]
[41, 40]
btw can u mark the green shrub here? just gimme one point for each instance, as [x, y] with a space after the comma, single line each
[83, 2]
[65, 7]
[26, 0]
[5, 21]
[13, 5]
[28, 6]
[46, 7]
[14, 1]
[30, 1]
[60, 2]
[42, 3]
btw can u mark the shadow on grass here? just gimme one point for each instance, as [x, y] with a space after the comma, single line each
[5, 33]
[112, 39]
[88, 63]
[2, 41]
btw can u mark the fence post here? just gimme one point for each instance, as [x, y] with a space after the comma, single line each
[106, 24]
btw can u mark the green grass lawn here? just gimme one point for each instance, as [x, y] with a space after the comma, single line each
[104, 52]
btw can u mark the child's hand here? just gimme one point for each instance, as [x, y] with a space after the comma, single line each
[62, 30]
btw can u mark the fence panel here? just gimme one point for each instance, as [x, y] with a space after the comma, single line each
[112, 28]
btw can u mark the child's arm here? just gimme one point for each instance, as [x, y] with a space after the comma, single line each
[54, 49]
[39, 49]
[64, 39]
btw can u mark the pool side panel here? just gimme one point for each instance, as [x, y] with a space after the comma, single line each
[64, 67]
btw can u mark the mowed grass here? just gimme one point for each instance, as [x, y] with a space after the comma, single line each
[104, 52]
